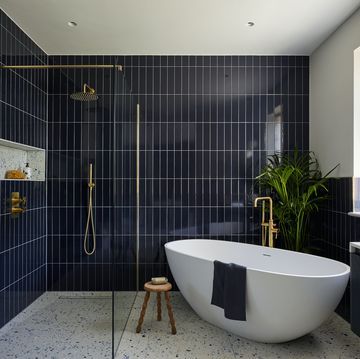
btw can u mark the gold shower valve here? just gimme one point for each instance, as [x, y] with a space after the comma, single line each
[17, 204]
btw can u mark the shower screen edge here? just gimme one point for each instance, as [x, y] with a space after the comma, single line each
[125, 204]
[137, 193]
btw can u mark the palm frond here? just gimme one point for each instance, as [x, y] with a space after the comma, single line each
[295, 181]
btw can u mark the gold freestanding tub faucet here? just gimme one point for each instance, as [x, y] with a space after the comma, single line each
[267, 228]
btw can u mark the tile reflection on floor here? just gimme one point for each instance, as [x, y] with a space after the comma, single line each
[65, 325]
[197, 339]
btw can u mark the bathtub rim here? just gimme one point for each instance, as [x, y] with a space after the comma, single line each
[341, 274]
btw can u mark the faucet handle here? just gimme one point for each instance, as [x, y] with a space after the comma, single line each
[22, 202]
[275, 231]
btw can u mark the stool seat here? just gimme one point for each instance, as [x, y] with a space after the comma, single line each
[149, 287]
[158, 289]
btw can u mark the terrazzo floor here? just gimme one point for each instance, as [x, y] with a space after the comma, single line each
[78, 325]
[197, 339]
[65, 325]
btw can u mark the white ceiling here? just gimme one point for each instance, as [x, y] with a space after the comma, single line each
[179, 27]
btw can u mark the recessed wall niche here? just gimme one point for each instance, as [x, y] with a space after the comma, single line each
[15, 156]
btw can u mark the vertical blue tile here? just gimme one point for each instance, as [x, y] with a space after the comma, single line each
[24, 119]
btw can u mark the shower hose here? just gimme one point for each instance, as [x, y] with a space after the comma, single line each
[90, 217]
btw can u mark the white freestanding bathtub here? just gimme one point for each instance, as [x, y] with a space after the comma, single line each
[288, 294]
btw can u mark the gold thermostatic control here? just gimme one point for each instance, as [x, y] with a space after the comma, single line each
[17, 204]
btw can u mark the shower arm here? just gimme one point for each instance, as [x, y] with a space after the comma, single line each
[88, 89]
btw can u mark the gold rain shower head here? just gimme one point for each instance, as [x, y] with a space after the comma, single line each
[87, 94]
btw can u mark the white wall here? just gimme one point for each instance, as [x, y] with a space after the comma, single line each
[331, 98]
[356, 135]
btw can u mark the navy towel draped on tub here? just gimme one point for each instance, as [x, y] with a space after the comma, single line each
[229, 289]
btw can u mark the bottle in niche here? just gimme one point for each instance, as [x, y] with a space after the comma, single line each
[27, 171]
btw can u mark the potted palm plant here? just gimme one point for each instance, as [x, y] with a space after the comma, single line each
[297, 186]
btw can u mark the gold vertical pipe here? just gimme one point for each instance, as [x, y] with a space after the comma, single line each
[271, 224]
[263, 229]
[271, 208]
[137, 193]
[90, 173]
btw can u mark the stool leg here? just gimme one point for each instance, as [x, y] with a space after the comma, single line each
[158, 306]
[143, 310]
[170, 312]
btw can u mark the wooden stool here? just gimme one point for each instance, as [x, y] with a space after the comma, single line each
[158, 289]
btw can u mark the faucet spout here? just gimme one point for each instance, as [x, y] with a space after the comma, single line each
[270, 204]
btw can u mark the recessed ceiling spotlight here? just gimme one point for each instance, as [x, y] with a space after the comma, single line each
[72, 24]
[250, 24]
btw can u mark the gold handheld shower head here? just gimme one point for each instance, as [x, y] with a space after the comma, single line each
[90, 216]
[87, 94]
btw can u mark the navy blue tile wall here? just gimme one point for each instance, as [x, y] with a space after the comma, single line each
[80, 133]
[334, 229]
[23, 118]
[207, 126]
